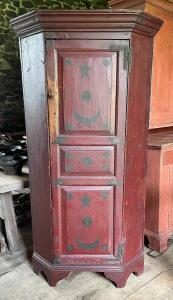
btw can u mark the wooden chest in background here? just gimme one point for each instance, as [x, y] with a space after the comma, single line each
[86, 82]
[159, 194]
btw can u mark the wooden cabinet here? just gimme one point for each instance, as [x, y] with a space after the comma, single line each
[161, 105]
[86, 83]
[159, 194]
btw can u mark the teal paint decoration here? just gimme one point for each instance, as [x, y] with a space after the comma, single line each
[113, 140]
[104, 247]
[87, 161]
[69, 196]
[68, 62]
[105, 168]
[104, 195]
[59, 139]
[68, 168]
[86, 96]
[87, 120]
[85, 200]
[84, 246]
[59, 182]
[87, 221]
[68, 126]
[106, 62]
[69, 248]
[68, 155]
[84, 70]
[105, 126]
[106, 154]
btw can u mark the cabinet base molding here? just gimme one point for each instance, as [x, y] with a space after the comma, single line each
[117, 274]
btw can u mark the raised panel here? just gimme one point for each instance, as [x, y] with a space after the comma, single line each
[87, 160]
[87, 88]
[86, 220]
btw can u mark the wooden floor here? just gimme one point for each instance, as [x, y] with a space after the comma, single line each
[17, 281]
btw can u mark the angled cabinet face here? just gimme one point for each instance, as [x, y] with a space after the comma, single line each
[86, 145]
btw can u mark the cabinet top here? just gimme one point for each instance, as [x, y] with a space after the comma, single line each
[86, 21]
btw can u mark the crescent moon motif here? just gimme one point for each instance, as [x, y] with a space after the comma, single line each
[87, 120]
[87, 246]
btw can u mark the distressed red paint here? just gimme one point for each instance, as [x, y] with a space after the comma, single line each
[93, 103]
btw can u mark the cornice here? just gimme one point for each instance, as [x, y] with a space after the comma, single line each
[163, 4]
[86, 20]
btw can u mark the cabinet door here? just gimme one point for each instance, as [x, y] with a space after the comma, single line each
[87, 87]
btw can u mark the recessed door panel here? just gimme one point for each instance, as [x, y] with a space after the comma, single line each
[87, 160]
[87, 220]
[87, 85]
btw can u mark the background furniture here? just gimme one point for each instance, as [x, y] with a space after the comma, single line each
[161, 105]
[159, 194]
[161, 121]
[8, 184]
[86, 127]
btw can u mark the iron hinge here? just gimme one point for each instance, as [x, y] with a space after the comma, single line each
[127, 59]
[59, 139]
[56, 260]
[59, 182]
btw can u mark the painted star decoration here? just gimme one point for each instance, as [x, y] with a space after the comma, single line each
[84, 70]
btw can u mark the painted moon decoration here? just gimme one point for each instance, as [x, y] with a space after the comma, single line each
[87, 120]
[87, 246]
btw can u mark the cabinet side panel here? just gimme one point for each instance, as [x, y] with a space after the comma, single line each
[35, 101]
[135, 152]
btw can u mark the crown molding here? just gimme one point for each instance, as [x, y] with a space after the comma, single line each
[86, 20]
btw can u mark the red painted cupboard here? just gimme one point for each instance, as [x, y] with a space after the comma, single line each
[86, 83]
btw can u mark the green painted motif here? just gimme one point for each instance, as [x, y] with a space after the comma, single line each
[85, 70]
[106, 154]
[112, 182]
[68, 62]
[87, 246]
[87, 221]
[68, 168]
[87, 161]
[59, 182]
[86, 96]
[69, 248]
[104, 195]
[105, 126]
[68, 155]
[113, 139]
[68, 126]
[104, 247]
[87, 120]
[105, 168]
[85, 200]
[115, 181]
[59, 139]
[106, 62]
[69, 195]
